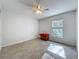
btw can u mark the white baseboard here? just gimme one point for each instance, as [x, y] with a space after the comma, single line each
[16, 42]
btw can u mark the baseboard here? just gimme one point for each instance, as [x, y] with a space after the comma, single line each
[16, 42]
[0, 48]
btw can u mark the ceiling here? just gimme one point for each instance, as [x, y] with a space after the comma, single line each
[55, 7]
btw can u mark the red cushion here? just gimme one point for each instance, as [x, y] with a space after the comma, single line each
[43, 34]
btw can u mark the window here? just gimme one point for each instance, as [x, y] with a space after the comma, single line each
[57, 28]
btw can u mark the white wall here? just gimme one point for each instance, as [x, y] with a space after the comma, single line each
[77, 29]
[17, 25]
[0, 24]
[69, 27]
[18, 28]
[0, 30]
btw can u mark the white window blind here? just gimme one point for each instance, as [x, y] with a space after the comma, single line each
[57, 28]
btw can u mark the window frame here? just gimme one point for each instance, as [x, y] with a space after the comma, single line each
[57, 27]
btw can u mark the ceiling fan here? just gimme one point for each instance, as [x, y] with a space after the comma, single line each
[37, 7]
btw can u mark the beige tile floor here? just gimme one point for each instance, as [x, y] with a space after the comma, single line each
[32, 49]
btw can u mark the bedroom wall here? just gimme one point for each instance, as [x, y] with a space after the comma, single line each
[69, 27]
[18, 25]
[18, 28]
[1, 13]
[0, 31]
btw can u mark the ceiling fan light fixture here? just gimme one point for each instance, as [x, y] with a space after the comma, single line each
[38, 9]
[38, 12]
[39, 6]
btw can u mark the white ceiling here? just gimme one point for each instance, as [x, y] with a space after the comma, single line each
[55, 7]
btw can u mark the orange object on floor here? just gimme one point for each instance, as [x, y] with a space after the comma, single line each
[44, 36]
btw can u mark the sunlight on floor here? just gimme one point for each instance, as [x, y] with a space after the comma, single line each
[57, 49]
[47, 56]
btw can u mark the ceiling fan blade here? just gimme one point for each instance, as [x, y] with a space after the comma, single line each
[47, 9]
[29, 5]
